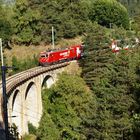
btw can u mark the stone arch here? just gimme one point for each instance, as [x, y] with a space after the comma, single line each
[17, 110]
[48, 81]
[31, 108]
[14, 98]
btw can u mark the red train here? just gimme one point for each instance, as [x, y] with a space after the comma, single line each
[55, 56]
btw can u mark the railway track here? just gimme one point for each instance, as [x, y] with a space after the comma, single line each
[19, 78]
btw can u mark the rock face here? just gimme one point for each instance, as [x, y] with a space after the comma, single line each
[2, 134]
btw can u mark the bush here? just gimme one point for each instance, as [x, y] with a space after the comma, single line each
[21, 65]
[32, 129]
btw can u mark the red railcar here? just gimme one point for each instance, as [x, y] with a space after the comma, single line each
[51, 57]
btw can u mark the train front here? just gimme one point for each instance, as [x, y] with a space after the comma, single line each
[43, 59]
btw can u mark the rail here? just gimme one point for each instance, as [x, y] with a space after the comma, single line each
[17, 79]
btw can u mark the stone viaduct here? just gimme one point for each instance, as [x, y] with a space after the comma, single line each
[24, 95]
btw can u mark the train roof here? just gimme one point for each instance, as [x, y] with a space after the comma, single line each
[59, 49]
[62, 49]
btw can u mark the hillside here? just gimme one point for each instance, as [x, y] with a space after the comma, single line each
[22, 52]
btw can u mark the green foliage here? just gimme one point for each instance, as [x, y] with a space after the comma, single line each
[33, 20]
[5, 24]
[98, 53]
[15, 63]
[135, 24]
[113, 79]
[29, 137]
[70, 110]
[107, 12]
[21, 65]
[133, 6]
[136, 119]
[26, 23]
[32, 129]
[66, 113]
[67, 17]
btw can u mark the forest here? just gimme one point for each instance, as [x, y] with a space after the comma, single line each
[102, 101]
[29, 22]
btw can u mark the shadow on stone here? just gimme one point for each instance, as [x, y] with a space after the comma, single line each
[2, 132]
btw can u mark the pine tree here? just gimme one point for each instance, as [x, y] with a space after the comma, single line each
[111, 78]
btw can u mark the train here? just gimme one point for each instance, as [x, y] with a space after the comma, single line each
[50, 57]
[115, 45]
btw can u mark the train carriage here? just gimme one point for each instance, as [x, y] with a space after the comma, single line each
[51, 57]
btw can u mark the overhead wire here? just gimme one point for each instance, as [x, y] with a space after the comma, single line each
[35, 118]
[28, 109]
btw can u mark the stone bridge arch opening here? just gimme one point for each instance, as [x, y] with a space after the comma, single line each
[16, 115]
[48, 81]
[31, 108]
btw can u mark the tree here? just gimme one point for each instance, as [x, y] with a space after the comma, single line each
[132, 6]
[112, 79]
[34, 20]
[67, 17]
[105, 12]
[6, 30]
[68, 108]
[26, 23]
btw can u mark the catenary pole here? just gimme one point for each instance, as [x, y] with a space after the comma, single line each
[5, 112]
[53, 37]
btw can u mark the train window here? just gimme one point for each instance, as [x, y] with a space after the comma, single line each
[42, 55]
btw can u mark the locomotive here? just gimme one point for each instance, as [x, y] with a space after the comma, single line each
[74, 52]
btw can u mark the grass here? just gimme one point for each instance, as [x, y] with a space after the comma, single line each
[23, 52]
[73, 69]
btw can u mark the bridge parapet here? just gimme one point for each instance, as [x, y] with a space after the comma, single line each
[22, 77]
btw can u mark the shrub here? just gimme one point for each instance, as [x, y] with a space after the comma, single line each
[32, 129]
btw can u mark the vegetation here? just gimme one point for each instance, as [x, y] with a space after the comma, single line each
[6, 30]
[32, 129]
[34, 20]
[106, 12]
[109, 110]
[19, 66]
[114, 82]
[132, 6]
[26, 23]
[29, 137]
[102, 104]
[66, 113]
[30, 22]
